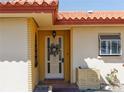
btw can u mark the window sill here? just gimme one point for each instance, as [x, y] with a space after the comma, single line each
[110, 55]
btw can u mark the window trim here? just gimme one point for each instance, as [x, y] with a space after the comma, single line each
[111, 54]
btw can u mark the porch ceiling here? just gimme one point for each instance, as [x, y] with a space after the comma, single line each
[42, 19]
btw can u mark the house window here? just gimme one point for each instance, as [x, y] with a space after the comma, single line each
[110, 45]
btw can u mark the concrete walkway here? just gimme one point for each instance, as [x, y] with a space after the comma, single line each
[118, 89]
[60, 86]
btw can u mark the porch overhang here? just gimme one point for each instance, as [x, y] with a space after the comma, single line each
[41, 19]
[43, 11]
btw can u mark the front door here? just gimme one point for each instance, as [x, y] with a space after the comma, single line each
[54, 57]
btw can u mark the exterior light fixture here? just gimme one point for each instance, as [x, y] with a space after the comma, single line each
[54, 34]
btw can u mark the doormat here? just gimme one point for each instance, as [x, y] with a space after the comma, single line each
[58, 89]
[41, 88]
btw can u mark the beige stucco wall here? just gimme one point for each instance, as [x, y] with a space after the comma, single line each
[13, 54]
[85, 51]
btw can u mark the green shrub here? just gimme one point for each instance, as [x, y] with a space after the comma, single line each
[112, 78]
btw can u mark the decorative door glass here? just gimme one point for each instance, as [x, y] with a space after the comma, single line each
[54, 57]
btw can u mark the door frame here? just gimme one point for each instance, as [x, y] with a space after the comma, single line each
[41, 53]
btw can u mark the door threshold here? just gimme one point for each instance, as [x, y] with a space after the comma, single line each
[54, 79]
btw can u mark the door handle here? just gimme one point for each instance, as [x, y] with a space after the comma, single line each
[62, 60]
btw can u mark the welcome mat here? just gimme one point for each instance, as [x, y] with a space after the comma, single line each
[66, 89]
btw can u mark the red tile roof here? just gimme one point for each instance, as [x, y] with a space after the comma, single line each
[29, 2]
[28, 6]
[91, 15]
[63, 18]
[96, 17]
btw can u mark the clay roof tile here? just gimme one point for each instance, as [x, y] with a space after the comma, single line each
[30, 2]
[95, 14]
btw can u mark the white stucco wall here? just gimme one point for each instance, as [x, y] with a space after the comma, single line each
[85, 51]
[13, 54]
